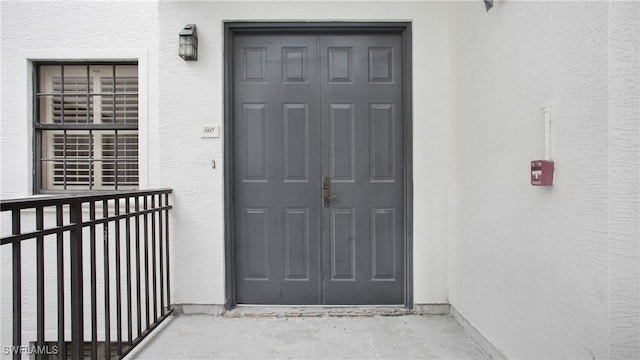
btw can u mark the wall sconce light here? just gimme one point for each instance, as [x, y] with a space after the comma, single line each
[488, 4]
[189, 42]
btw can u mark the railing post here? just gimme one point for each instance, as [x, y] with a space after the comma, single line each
[138, 286]
[153, 258]
[129, 287]
[93, 284]
[40, 281]
[166, 239]
[146, 261]
[62, 347]
[77, 306]
[17, 285]
[107, 274]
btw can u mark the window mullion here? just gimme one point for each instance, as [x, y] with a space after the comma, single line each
[89, 101]
[62, 94]
[98, 138]
[115, 140]
[64, 160]
[92, 126]
[64, 135]
[38, 134]
[91, 162]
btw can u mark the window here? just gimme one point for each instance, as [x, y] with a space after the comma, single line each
[86, 126]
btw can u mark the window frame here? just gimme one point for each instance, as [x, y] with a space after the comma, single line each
[40, 126]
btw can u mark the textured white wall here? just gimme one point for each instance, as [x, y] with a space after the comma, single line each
[77, 30]
[546, 272]
[191, 94]
[624, 180]
[65, 30]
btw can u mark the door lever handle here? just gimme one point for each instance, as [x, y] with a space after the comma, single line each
[326, 191]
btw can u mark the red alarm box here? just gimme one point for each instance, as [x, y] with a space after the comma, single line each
[542, 173]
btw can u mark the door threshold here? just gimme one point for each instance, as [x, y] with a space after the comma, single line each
[270, 311]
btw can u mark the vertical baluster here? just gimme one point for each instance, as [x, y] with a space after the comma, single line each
[118, 282]
[17, 284]
[146, 260]
[107, 297]
[166, 239]
[62, 347]
[160, 253]
[153, 258]
[94, 295]
[77, 309]
[39, 282]
[128, 260]
[138, 288]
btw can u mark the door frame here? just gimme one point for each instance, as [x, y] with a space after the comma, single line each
[231, 29]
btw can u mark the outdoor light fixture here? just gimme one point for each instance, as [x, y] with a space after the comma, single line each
[189, 42]
[488, 4]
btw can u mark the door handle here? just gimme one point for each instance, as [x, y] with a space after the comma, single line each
[326, 191]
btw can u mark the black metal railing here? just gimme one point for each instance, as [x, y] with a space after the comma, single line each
[129, 294]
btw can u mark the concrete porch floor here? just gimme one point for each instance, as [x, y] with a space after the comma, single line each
[250, 334]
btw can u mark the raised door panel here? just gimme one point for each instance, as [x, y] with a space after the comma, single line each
[296, 142]
[382, 142]
[342, 142]
[254, 125]
[343, 251]
[296, 244]
[294, 64]
[256, 249]
[340, 64]
[383, 252]
[254, 64]
[381, 61]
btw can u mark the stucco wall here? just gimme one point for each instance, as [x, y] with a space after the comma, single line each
[72, 30]
[64, 30]
[624, 180]
[191, 97]
[540, 271]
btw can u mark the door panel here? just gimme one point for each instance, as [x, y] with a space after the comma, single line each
[276, 189]
[360, 84]
[342, 142]
[296, 244]
[254, 124]
[305, 107]
[343, 251]
[296, 142]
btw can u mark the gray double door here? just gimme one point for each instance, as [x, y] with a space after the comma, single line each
[318, 169]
